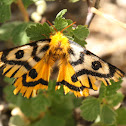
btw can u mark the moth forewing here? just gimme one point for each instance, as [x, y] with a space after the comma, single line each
[89, 67]
[19, 60]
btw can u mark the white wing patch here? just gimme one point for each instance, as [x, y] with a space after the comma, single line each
[77, 49]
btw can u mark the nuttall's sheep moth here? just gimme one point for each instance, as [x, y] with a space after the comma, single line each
[31, 65]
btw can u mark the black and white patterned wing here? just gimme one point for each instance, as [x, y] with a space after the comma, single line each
[89, 67]
[19, 60]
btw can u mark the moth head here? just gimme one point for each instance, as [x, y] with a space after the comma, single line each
[58, 40]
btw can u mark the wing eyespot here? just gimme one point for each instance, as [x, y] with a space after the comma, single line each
[33, 74]
[19, 54]
[96, 65]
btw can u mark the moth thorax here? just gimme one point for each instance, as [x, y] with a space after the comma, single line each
[59, 43]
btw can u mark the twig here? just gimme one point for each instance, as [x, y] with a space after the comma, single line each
[108, 17]
[23, 10]
[91, 15]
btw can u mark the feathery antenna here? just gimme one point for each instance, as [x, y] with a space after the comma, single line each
[67, 27]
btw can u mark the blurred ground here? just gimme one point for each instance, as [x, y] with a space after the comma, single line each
[106, 39]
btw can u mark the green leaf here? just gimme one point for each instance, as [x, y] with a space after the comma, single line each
[61, 13]
[19, 36]
[7, 2]
[77, 101]
[69, 29]
[90, 108]
[55, 94]
[110, 94]
[37, 31]
[111, 89]
[60, 23]
[102, 92]
[10, 97]
[115, 99]
[16, 121]
[5, 12]
[108, 116]
[6, 30]
[81, 32]
[9, 80]
[101, 124]
[33, 107]
[30, 107]
[62, 106]
[70, 121]
[121, 116]
[51, 86]
[80, 42]
[50, 120]
[26, 3]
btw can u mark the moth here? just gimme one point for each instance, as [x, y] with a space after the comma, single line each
[31, 65]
